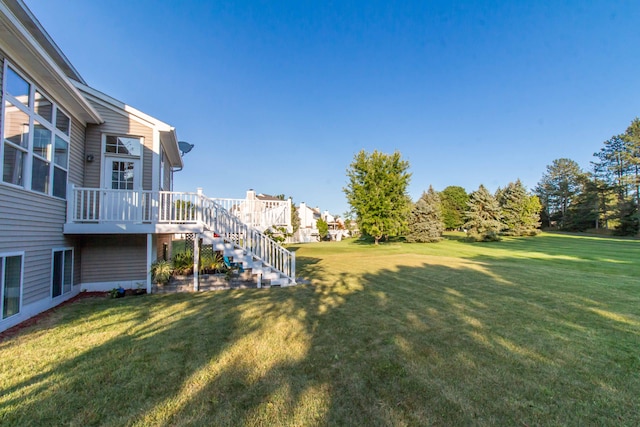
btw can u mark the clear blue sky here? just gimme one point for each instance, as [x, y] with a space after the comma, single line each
[280, 96]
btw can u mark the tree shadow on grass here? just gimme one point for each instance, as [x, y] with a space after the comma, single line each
[425, 344]
[153, 344]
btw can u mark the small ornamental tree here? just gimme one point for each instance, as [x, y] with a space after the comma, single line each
[483, 219]
[323, 228]
[425, 220]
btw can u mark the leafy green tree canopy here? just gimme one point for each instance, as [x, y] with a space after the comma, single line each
[454, 205]
[323, 228]
[377, 193]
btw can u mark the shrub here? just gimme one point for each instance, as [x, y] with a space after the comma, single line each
[161, 271]
[183, 263]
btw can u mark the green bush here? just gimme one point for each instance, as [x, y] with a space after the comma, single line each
[183, 263]
[161, 271]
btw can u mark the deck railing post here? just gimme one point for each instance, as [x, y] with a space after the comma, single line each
[71, 203]
[199, 207]
[292, 274]
[139, 210]
[196, 261]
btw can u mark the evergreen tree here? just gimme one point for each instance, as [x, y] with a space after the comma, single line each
[377, 193]
[425, 220]
[558, 187]
[583, 213]
[520, 211]
[617, 172]
[632, 141]
[483, 219]
[454, 205]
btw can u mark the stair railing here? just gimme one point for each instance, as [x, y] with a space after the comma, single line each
[231, 228]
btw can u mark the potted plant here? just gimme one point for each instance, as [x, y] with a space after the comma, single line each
[117, 292]
[161, 271]
[140, 289]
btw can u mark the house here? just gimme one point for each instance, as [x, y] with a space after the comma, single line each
[336, 226]
[308, 230]
[86, 197]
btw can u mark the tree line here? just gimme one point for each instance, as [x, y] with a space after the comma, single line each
[377, 193]
[605, 197]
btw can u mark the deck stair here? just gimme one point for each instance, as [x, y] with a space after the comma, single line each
[264, 275]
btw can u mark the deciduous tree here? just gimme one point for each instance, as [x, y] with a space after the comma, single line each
[323, 228]
[377, 193]
[454, 205]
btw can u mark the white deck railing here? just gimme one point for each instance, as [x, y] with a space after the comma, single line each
[260, 214]
[94, 205]
[222, 216]
[251, 240]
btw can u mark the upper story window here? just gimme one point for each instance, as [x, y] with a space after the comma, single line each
[35, 148]
[130, 146]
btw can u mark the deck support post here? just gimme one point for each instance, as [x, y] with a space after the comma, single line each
[196, 259]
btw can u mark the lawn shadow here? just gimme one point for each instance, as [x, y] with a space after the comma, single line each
[170, 338]
[421, 344]
[428, 344]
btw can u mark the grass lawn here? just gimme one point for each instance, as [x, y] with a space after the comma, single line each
[538, 331]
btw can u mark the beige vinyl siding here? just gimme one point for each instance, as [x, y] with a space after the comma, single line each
[109, 258]
[1, 86]
[32, 223]
[166, 179]
[76, 154]
[116, 124]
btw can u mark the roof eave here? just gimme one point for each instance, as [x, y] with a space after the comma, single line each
[23, 50]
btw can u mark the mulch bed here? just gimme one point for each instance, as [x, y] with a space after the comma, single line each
[15, 330]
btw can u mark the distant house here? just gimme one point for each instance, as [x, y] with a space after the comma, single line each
[308, 231]
[86, 200]
[337, 229]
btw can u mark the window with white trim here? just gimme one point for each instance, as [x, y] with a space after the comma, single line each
[10, 284]
[62, 272]
[125, 145]
[35, 146]
[122, 165]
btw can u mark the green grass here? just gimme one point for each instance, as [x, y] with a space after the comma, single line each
[540, 331]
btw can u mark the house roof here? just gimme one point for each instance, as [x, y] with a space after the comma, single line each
[267, 197]
[30, 47]
[167, 132]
